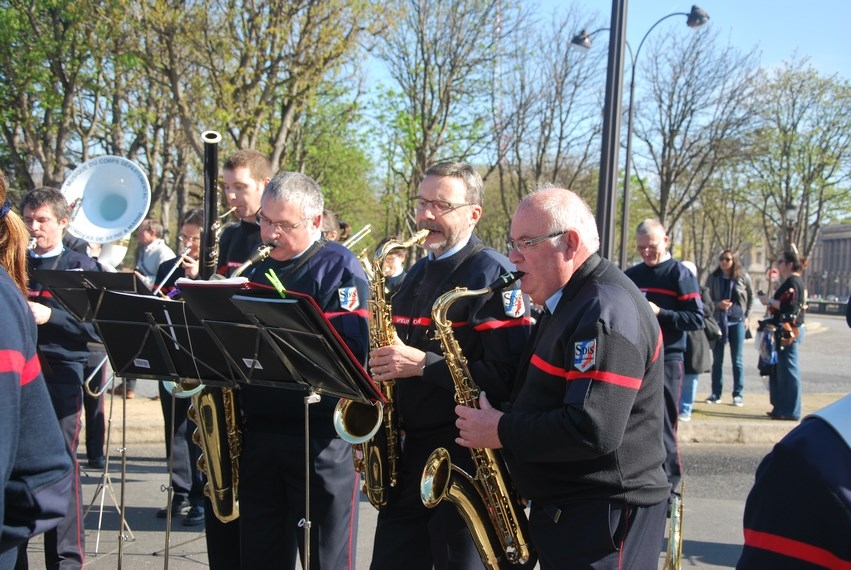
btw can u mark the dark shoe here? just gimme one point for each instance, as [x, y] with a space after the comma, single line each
[177, 508]
[713, 399]
[786, 418]
[194, 517]
[96, 463]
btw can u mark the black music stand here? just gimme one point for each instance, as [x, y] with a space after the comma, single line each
[159, 339]
[80, 291]
[283, 342]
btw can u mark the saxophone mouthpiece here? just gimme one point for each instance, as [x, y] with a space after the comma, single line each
[505, 280]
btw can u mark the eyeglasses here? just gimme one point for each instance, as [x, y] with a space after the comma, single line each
[725, 259]
[651, 247]
[279, 226]
[189, 239]
[439, 207]
[521, 245]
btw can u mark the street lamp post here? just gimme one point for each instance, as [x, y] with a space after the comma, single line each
[791, 219]
[695, 19]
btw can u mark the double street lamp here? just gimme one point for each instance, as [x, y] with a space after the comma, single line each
[695, 19]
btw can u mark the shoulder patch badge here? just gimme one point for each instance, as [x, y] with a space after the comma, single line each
[584, 354]
[513, 304]
[349, 299]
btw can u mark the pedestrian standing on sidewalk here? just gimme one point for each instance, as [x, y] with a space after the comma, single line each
[732, 294]
[674, 298]
[697, 359]
[786, 308]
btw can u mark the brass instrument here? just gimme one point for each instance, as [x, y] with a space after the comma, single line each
[109, 197]
[674, 551]
[487, 501]
[376, 453]
[214, 409]
[357, 236]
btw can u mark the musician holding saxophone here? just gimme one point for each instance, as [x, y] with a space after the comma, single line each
[582, 437]
[272, 462]
[491, 331]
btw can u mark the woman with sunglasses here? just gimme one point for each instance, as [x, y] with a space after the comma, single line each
[732, 294]
[787, 306]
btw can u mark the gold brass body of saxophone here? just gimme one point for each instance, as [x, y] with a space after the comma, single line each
[375, 452]
[674, 551]
[486, 500]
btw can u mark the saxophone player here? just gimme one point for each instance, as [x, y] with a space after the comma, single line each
[272, 462]
[583, 434]
[491, 332]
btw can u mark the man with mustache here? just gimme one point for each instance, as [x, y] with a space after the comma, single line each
[491, 330]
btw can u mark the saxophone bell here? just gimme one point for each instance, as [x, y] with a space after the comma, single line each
[357, 422]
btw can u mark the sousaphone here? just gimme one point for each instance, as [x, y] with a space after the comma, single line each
[109, 196]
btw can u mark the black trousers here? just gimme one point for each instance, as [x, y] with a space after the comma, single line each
[673, 386]
[603, 535]
[272, 501]
[187, 480]
[409, 535]
[64, 546]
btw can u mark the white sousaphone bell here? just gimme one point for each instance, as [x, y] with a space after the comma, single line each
[109, 197]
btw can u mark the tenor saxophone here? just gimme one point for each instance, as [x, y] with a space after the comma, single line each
[376, 452]
[486, 500]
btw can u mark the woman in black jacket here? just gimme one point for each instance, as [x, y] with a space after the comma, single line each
[732, 294]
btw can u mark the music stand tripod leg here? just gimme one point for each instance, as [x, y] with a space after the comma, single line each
[311, 398]
[105, 483]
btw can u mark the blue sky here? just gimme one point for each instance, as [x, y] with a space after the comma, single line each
[816, 28]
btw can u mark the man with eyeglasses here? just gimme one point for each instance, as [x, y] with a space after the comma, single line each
[491, 331]
[244, 174]
[272, 462]
[674, 297]
[583, 435]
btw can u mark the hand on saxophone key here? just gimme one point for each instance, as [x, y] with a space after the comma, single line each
[478, 428]
[396, 361]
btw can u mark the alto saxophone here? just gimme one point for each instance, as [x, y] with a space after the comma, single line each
[487, 500]
[376, 452]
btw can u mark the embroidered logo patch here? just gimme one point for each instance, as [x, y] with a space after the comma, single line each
[584, 354]
[512, 303]
[349, 299]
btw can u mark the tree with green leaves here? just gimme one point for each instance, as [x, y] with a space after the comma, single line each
[800, 157]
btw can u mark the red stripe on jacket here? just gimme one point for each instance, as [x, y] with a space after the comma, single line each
[596, 375]
[795, 549]
[13, 361]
